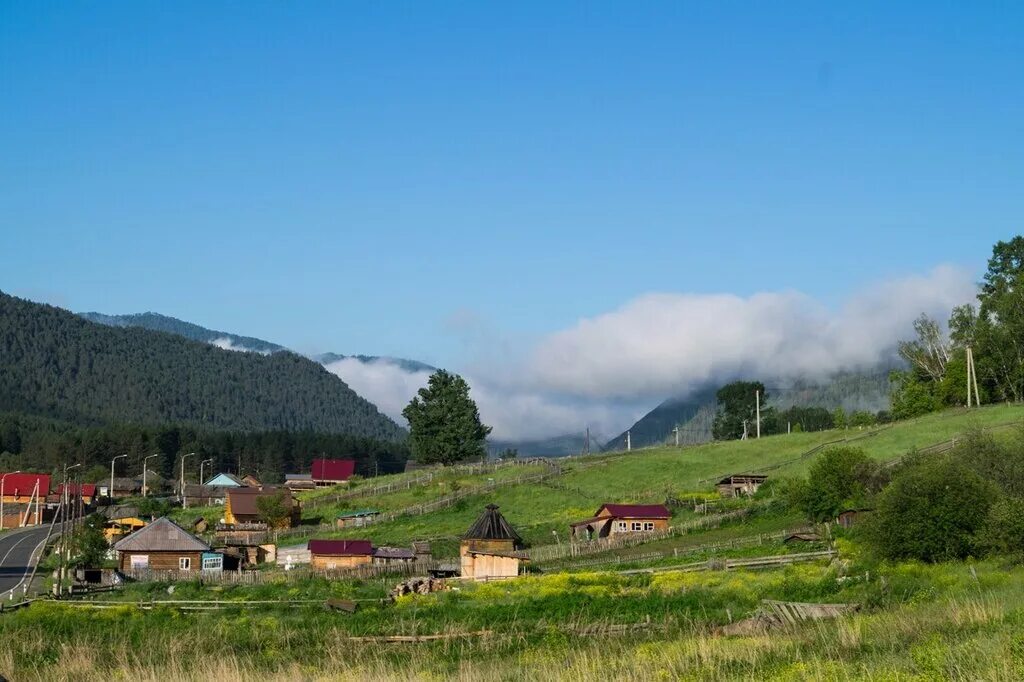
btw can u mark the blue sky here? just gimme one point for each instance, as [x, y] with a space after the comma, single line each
[409, 178]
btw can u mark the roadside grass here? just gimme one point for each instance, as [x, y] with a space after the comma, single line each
[919, 622]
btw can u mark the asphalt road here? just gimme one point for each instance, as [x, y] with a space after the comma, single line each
[16, 547]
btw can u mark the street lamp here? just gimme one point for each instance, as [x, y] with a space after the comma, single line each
[181, 488]
[2, 495]
[202, 465]
[110, 493]
[145, 490]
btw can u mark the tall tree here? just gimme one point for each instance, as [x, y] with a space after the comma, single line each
[737, 403]
[999, 330]
[444, 423]
[929, 353]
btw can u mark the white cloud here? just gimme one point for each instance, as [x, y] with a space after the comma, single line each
[226, 343]
[608, 370]
[659, 344]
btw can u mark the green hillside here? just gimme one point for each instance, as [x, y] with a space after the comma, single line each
[56, 364]
[655, 474]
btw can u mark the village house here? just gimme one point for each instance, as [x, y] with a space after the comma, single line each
[296, 482]
[251, 481]
[22, 496]
[490, 548]
[338, 554]
[356, 519]
[225, 481]
[325, 472]
[87, 491]
[165, 546]
[613, 519]
[850, 517]
[242, 508]
[120, 521]
[737, 485]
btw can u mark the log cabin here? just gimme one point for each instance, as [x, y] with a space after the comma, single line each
[614, 519]
[338, 554]
[241, 506]
[736, 485]
[164, 546]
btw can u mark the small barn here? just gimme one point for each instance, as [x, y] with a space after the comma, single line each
[737, 485]
[242, 505]
[332, 471]
[613, 519]
[356, 519]
[490, 548]
[164, 546]
[848, 518]
[393, 555]
[339, 554]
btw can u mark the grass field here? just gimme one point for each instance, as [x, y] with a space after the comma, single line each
[654, 474]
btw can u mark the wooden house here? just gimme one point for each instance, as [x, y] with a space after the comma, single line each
[241, 506]
[251, 481]
[121, 521]
[326, 472]
[87, 491]
[356, 519]
[165, 546]
[850, 517]
[296, 482]
[490, 548]
[614, 519]
[339, 554]
[737, 485]
[225, 481]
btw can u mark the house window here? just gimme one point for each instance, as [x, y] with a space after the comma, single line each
[184, 563]
[622, 525]
[648, 525]
[140, 561]
[213, 561]
[637, 526]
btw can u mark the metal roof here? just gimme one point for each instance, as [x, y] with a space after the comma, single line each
[636, 511]
[332, 469]
[340, 547]
[357, 513]
[163, 535]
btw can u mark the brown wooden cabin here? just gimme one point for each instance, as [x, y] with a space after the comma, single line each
[251, 481]
[338, 554]
[490, 548]
[162, 546]
[241, 507]
[614, 519]
[393, 555]
[850, 517]
[736, 485]
[356, 519]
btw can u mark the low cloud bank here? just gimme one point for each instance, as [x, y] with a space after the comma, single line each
[608, 370]
[226, 343]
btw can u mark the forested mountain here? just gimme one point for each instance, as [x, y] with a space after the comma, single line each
[56, 364]
[694, 414]
[172, 325]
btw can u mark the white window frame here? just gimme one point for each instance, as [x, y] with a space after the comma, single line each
[213, 563]
[648, 525]
[636, 525]
[622, 525]
[184, 563]
[139, 561]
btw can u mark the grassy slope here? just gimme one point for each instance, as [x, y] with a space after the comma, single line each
[654, 474]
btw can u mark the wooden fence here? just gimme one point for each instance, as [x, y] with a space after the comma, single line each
[730, 564]
[296, 573]
[574, 549]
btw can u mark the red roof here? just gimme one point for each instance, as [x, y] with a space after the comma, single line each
[636, 511]
[340, 547]
[333, 469]
[84, 489]
[22, 485]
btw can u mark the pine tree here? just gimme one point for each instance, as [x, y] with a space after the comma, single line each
[444, 423]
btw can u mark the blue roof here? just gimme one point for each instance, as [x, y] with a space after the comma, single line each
[225, 481]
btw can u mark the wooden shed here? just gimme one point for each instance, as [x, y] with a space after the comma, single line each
[163, 546]
[490, 548]
[850, 517]
[356, 519]
[241, 506]
[736, 485]
[337, 554]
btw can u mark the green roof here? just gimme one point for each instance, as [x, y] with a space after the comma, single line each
[360, 512]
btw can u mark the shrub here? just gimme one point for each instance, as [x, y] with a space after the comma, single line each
[931, 511]
[842, 477]
[1003, 532]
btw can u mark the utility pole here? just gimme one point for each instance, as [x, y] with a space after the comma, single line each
[586, 443]
[967, 357]
[972, 379]
[629, 442]
[675, 432]
[181, 487]
[757, 401]
[744, 436]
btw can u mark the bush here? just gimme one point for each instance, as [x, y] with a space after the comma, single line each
[1003, 532]
[931, 511]
[842, 477]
